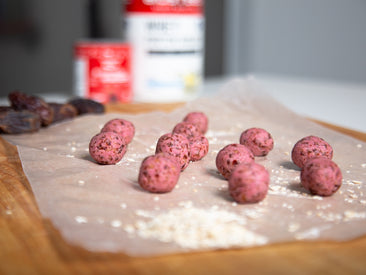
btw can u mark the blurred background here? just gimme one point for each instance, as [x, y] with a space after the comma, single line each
[293, 38]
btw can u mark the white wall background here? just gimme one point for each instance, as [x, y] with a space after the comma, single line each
[315, 38]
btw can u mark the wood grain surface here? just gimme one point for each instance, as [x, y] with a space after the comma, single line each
[30, 244]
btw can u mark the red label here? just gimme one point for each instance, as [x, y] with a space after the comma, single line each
[165, 6]
[108, 71]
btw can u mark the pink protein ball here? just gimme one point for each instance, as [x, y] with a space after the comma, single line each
[321, 176]
[231, 156]
[158, 173]
[198, 119]
[186, 129]
[107, 148]
[258, 140]
[122, 127]
[249, 183]
[199, 147]
[310, 147]
[176, 145]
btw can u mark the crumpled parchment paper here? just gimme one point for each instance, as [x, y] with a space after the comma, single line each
[102, 208]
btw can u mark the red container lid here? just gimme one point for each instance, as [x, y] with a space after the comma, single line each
[165, 6]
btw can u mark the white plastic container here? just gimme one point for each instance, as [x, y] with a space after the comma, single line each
[167, 41]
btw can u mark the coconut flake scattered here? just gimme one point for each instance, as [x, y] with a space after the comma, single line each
[351, 215]
[116, 223]
[197, 228]
[81, 219]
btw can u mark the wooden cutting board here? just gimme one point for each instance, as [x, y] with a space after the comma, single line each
[30, 244]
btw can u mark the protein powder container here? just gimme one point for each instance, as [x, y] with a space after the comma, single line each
[102, 71]
[167, 41]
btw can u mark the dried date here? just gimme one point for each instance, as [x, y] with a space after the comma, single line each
[86, 106]
[18, 122]
[63, 111]
[21, 101]
[28, 113]
[5, 109]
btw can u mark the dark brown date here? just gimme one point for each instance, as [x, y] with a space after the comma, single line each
[63, 111]
[18, 122]
[5, 109]
[22, 101]
[85, 106]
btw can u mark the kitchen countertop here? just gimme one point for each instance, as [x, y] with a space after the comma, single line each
[334, 102]
[338, 103]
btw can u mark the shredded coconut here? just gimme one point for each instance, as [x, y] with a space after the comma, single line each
[350, 215]
[197, 228]
[311, 233]
[81, 219]
[116, 223]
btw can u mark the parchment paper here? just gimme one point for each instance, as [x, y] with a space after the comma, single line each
[102, 208]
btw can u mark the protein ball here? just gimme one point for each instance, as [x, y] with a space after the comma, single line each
[176, 145]
[199, 147]
[158, 173]
[186, 129]
[107, 148]
[249, 183]
[258, 140]
[321, 176]
[198, 119]
[310, 147]
[122, 127]
[232, 155]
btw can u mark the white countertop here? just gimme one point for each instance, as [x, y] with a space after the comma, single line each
[341, 104]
